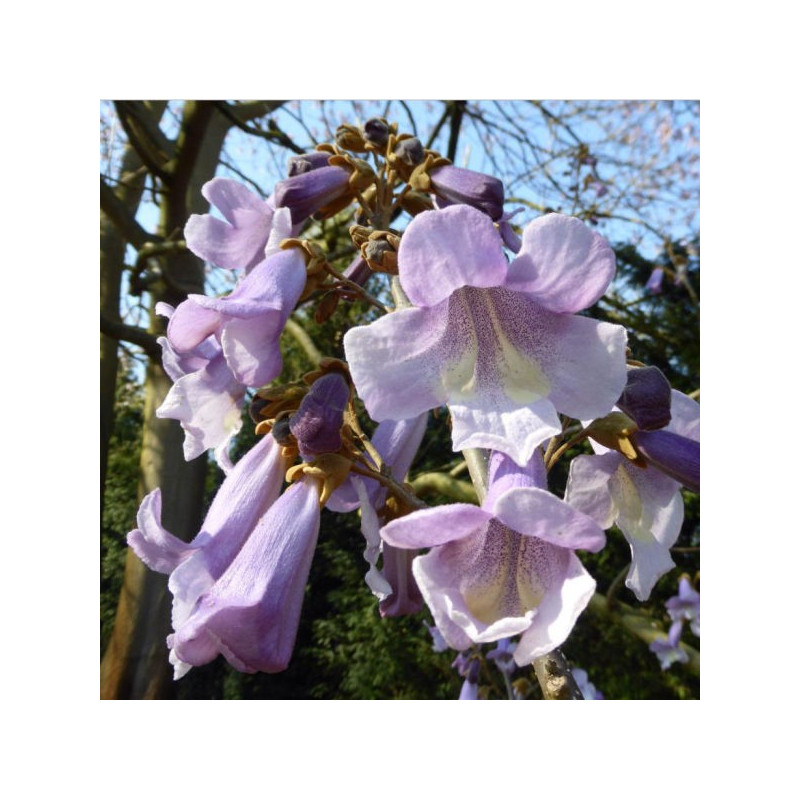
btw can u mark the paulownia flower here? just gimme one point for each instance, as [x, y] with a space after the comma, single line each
[248, 322]
[205, 397]
[239, 242]
[685, 606]
[668, 649]
[238, 509]
[251, 613]
[500, 344]
[505, 568]
[397, 444]
[645, 504]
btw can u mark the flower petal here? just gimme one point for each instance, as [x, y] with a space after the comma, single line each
[396, 362]
[587, 486]
[239, 243]
[435, 526]
[556, 614]
[208, 404]
[563, 264]
[516, 432]
[442, 251]
[536, 512]
[650, 515]
[152, 542]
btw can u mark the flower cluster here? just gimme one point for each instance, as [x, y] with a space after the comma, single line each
[489, 326]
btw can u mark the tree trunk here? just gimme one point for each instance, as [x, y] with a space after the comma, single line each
[135, 664]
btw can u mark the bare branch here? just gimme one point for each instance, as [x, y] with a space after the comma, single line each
[130, 333]
[274, 134]
[145, 136]
[118, 213]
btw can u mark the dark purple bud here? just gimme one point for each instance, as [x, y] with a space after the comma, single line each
[308, 192]
[674, 455]
[281, 431]
[457, 185]
[376, 131]
[307, 162]
[647, 398]
[255, 409]
[358, 271]
[317, 424]
[410, 151]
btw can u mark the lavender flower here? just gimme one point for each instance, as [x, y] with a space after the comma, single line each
[238, 243]
[248, 322]
[685, 606]
[668, 649]
[505, 568]
[498, 343]
[645, 504]
[205, 397]
[245, 496]
[251, 613]
[397, 444]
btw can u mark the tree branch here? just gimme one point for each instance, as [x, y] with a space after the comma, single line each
[118, 213]
[274, 134]
[445, 485]
[457, 114]
[153, 147]
[130, 333]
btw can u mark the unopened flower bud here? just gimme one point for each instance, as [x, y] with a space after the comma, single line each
[307, 162]
[348, 137]
[457, 185]
[410, 151]
[318, 422]
[307, 192]
[358, 271]
[646, 398]
[281, 431]
[255, 408]
[376, 131]
[674, 455]
[380, 255]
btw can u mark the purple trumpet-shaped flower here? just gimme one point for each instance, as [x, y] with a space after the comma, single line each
[685, 606]
[469, 668]
[251, 613]
[249, 490]
[248, 322]
[317, 423]
[308, 192]
[668, 649]
[504, 568]
[499, 343]
[645, 504]
[457, 185]
[205, 397]
[397, 444]
[239, 242]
